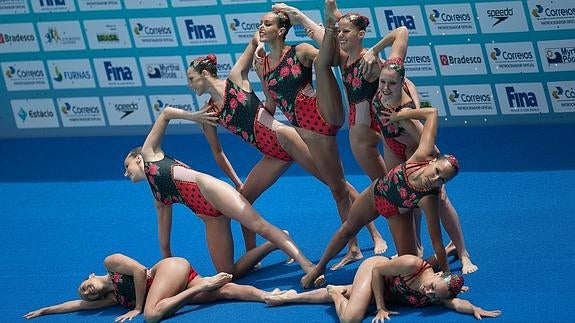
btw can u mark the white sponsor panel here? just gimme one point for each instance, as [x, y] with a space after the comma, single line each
[224, 2]
[470, 100]
[562, 95]
[450, 19]
[252, 75]
[71, 74]
[34, 113]
[224, 64]
[81, 112]
[431, 96]
[145, 4]
[366, 12]
[521, 98]
[505, 58]
[418, 61]
[193, 3]
[127, 110]
[13, 7]
[25, 75]
[52, 6]
[61, 35]
[163, 70]
[297, 32]
[93, 5]
[552, 15]
[185, 102]
[15, 38]
[243, 26]
[153, 32]
[460, 59]
[501, 17]
[201, 30]
[109, 33]
[557, 55]
[117, 72]
[389, 18]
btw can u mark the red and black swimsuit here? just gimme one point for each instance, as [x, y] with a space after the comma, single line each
[358, 90]
[396, 289]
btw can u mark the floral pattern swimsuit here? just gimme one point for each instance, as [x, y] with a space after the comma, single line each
[397, 290]
[239, 116]
[394, 191]
[393, 130]
[285, 84]
[168, 190]
[359, 90]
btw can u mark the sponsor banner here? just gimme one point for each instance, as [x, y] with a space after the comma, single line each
[127, 110]
[25, 75]
[117, 72]
[557, 55]
[185, 102]
[52, 6]
[15, 38]
[201, 30]
[389, 18]
[105, 34]
[227, 2]
[193, 3]
[521, 98]
[505, 58]
[61, 35]
[80, 112]
[418, 61]
[460, 59]
[224, 64]
[450, 19]
[470, 100]
[562, 95]
[13, 7]
[93, 5]
[153, 32]
[163, 70]
[366, 12]
[552, 14]
[145, 4]
[242, 27]
[501, 17]
[34, 113]
[71, 74]
[431, 97]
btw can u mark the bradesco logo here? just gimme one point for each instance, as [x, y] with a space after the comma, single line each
[451, 19]
[460, 59]
[511, 58]
[562, 95]
[552, 15]
[25, 75]
[521, 98]
[398, 16]
[34, 113]
[465, 100]
[16, 38]
[201, 30]
[501, 17]
[153, 32]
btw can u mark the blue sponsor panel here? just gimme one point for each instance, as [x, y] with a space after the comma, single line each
[92, 67]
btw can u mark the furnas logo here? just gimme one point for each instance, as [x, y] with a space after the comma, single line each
[71, 74]
[393, 17]
[519, 98]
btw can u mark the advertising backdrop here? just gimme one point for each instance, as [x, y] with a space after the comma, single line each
[107, 67]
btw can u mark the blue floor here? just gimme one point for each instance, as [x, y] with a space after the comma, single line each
[65, 206]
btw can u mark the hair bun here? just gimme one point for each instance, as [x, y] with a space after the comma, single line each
[212, 58]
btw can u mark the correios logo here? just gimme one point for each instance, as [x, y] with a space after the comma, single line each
[495, 53]
[538, 10]
[457, 96]
[159, 105]
[563, 94]
[557, 92]
[10, 71]
[234, 24]
[434, 15]
[139, 27]
[453, 96]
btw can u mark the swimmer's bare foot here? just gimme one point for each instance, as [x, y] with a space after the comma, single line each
[216, 281]
[351, 256]
[279, 298]
[467, 266]
[314, 276]
[380, 246]
[332, 14]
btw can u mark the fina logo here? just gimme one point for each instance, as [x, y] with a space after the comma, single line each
[394, 21]
[520, 99]
[199, 31]
[51, 3]
[118, 73]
